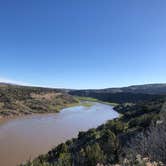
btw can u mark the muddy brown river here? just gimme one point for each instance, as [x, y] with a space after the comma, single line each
[26, 137]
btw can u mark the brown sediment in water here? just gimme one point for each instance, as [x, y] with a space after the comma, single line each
[22, 138]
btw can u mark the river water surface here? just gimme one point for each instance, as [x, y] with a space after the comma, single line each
[26, 137]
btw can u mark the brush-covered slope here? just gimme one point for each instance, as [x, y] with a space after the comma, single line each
[18, 100]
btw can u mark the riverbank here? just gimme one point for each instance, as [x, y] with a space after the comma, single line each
[12, 116]
[78, 103]
[95, 100]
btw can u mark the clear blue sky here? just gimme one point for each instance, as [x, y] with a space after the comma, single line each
[83, 43]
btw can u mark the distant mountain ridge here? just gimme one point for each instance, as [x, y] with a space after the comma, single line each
[18, 97]
[158, 88]
[133, 93]
[145, 88]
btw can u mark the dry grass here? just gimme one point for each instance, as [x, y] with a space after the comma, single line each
[46, 96]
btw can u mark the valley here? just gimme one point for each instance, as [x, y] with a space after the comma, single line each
[82, 127]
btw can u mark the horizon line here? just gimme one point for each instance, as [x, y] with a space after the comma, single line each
[51, 87]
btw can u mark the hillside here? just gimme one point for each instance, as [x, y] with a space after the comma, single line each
[140, 131]
[19, 100]
[124, 94]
